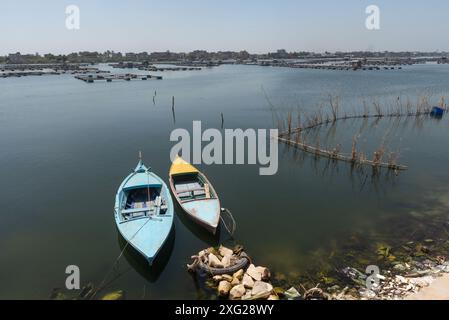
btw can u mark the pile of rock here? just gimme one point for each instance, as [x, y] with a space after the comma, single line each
[221, 258]
[251, 284]
[236, 280]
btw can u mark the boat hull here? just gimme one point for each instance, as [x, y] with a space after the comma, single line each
[146, 234]
[201, 212]
[148, 248]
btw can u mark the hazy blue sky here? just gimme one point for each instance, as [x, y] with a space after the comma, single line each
[254, 25]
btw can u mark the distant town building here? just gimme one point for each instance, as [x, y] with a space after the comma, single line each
[15, 58]
[356, 64]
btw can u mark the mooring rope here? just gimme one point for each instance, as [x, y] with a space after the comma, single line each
[234, 224]
[101, 286]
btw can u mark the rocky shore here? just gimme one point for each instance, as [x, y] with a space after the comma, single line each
[412, 260]
[400, 276]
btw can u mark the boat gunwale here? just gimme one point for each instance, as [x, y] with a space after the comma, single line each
[203, 199]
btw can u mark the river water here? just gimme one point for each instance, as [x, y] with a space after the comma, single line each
[66, 146]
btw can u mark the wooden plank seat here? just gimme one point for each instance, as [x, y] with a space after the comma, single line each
[187, 185]
[136, 210]
[193, 194]
[189, 190]
[139, 210]
[184, 194]
[198, 193]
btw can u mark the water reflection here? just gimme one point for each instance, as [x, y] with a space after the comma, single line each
[361, 177]
[140, 264]
[197, 230]
[368, 137]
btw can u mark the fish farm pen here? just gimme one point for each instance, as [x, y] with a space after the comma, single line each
[346, 64]
[86, 71]
[294, 136]
[17, 70]
[162, 69]
[19, 74]
[343, 67]
[114, 77]
[149, 67]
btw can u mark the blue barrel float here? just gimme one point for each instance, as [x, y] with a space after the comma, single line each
[437, 112]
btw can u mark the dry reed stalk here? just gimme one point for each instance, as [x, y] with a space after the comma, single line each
[365, 111]
[408, 107]
[378, 154]
[289, 123]
[354, 149]
[319, 116]
[334, 104]
[298, 119]
[378, 109]
[399, 103]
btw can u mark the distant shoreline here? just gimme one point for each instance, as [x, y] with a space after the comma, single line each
[202, 55]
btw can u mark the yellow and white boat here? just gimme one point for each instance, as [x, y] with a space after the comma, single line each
[195, 194]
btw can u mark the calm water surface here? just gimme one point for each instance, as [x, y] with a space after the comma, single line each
[66, 146]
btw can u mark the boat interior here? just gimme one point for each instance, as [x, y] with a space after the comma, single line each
[191, 187]
[143, 202]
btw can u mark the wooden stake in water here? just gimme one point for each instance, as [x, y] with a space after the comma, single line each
[222, 120]
[154, 97]
[173, 113]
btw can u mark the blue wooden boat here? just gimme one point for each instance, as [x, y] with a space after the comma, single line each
[195, 194]
[144, 211]
[437, 112]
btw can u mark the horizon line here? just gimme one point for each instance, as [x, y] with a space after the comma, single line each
[224, 51]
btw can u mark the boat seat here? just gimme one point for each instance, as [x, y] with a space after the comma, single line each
[136, 210]
[181, 186]
[198, 193]
[184, 194]
[189, 190]
[138, 214]
[187, 185]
